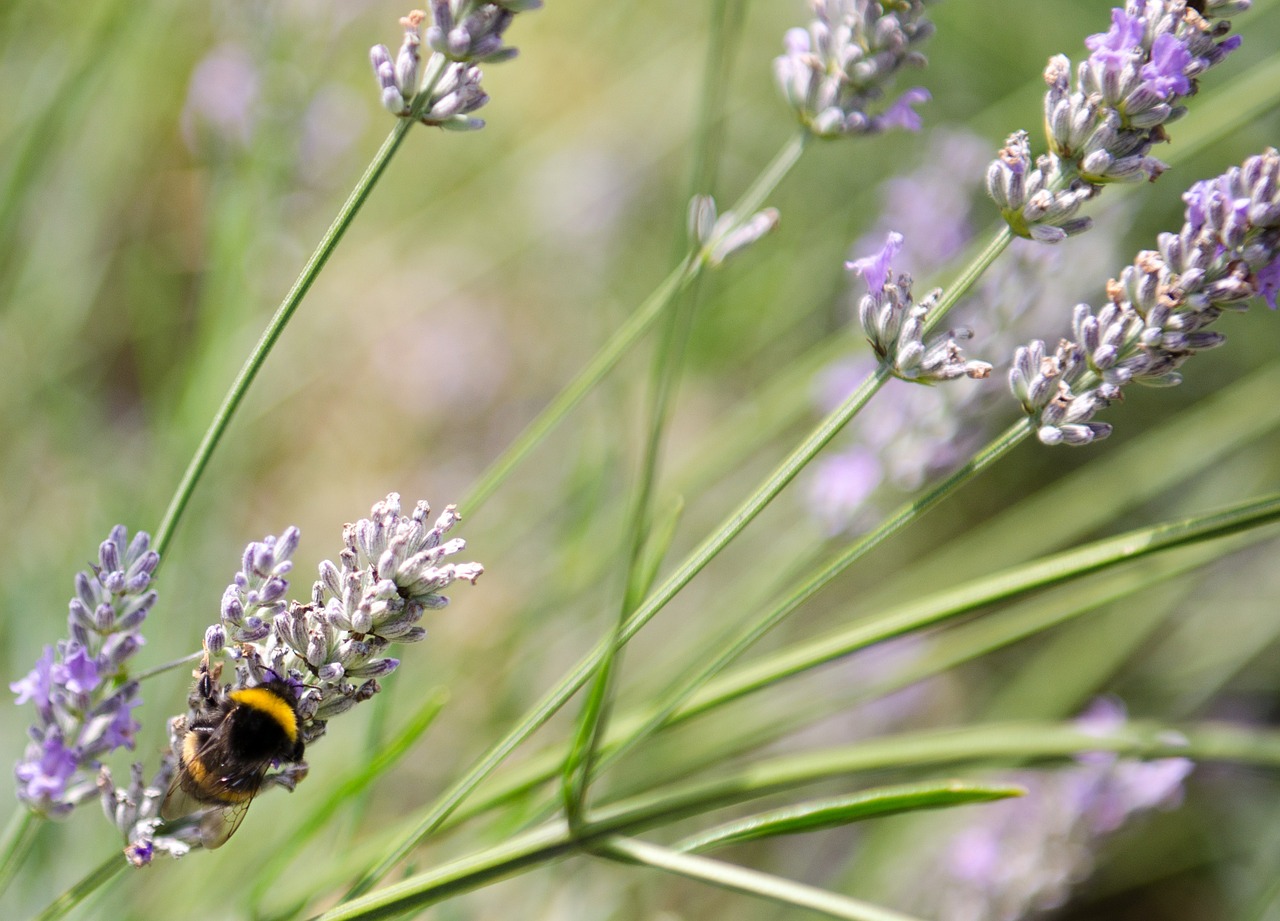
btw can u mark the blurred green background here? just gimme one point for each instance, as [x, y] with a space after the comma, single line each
[165, 169]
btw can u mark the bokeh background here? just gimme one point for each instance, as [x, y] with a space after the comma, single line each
[165, 169]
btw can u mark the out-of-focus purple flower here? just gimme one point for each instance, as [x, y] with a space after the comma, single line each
[840, 485]
[834, 74]
[80, 686]
[222, 99]
[1024, 855]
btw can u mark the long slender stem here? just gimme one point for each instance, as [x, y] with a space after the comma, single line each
[253, 364]
[793, 600]
[745, 880]
[664, 382]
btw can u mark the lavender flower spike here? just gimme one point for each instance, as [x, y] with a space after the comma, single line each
[1160, 308]
[1102, 129]
[462, 43]
[331, 651]
[80, 687]
[894, 324]
[835, 71]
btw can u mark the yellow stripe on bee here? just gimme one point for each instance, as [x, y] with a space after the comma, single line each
[272, 704]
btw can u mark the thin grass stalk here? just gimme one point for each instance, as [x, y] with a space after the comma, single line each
[746, 881]
[664, 382]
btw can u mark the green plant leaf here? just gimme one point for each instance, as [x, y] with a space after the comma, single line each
[834, 812]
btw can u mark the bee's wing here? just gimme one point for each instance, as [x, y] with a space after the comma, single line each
[221, 822]
[178, 802]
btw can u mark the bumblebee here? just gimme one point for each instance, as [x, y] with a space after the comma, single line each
[227, 747]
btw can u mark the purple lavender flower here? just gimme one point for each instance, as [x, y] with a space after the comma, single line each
[1160, 307]
[895, 324]
[833, 73]
[80, 687]
[459, 45]
[391, 571]
[909, 434]
[1103, 130]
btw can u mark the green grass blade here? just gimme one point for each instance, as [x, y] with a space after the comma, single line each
[747, 881]
[834, 812]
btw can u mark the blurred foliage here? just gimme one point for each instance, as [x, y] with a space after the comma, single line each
[146, 233]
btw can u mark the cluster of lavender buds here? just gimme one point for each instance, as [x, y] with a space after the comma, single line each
[1024, 855]
[81, 689]
[895, 324]
[463, 34]
[719, 237]
[833, 72]
[1127, 90]
[330, 651]
[1227, 252]
[389, 573]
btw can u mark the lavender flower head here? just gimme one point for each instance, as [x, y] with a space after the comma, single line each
[391, 571]
[80, 687]
[463, 34]
[1025, 855]
[833, 72]
[1103, 129]
[909, 435]
[895, 324]
[1160, 308]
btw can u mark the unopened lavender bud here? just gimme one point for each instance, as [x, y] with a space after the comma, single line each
[744, 234]
[442, 15]
[118, 648]
[331, 671]
[376, 668]
[702, 218]
[215, 638]
[333, 706]
[104, 618]
[109, 553]
[253, 630]
[330, 578]
[79, 615]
